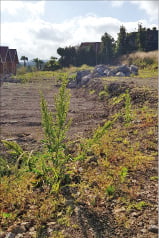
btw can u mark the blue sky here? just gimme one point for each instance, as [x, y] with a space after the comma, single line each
[38, 28]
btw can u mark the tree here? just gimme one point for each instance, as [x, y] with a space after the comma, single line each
[52, 64]
[141, 37]
[68, 56]
[38, 63]
[131, 42]
[41, 64]
[121, 47]
[61, 51]
[107, 49]
[24, 58]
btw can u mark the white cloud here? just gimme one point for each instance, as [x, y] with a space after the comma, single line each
[41, 39]
[32, 9]
[11, 7]
[150, 7]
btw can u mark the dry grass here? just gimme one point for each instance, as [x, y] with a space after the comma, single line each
[141, 59]
[142, 55]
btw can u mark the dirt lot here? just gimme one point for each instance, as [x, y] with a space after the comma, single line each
[21, 116]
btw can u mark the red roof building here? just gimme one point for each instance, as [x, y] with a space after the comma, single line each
[95, 45]
[8, 60]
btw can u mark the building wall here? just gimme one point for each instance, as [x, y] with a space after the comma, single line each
[14, 68]
[8, 68]
[1, 68]
[5, 68]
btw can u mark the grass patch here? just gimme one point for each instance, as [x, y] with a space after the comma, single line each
[56, 75]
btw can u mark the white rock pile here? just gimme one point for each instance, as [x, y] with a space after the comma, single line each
[84, 76]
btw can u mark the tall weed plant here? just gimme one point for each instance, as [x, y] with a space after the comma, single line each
[55, 126]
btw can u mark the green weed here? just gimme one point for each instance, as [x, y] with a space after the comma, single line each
[137, 205]
[123, 174]
[126, 99]
[55, 127]
[154, 178]
[110, 190]
[91, 92]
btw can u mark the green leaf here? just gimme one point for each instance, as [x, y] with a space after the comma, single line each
[6, 215]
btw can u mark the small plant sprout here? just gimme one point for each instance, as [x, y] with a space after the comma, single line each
[123, 174]
[110, 190]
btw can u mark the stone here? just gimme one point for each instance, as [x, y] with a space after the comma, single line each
[51, 223]
[69, 202]
[80, 169]
[85, 80]
[118, 210]
[92, 159]
[32, 234]
[72, 84]
[49, 230]
[106, 72]
[19, 229]
[133, 69]
[120, 74]
[127, 74]
[123, 68]
[143, 230]
[10, 235]
[153, 228]
[114, 70]
[2, 234]
[81, 74]
[80, 79]
[140, 223]
[111, 73]
[83, 77]
[134, 214]
[19, 236]
[99, 70]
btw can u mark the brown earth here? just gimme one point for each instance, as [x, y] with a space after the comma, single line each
[21, 121]
[20, 108]
[21, 116]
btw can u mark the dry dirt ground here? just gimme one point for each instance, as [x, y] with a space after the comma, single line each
[21, 121]
[20, 108]
[21, 115]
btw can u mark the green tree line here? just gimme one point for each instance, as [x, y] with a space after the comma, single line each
[107, 52]
[144, 39]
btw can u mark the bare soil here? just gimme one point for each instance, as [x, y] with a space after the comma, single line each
[20, 116]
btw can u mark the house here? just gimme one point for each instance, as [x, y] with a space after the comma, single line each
[95, 45]
[8, 60]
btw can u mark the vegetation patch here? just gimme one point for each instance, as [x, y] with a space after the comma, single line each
[93, 186]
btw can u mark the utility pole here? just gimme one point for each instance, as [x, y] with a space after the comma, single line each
[96, 52]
